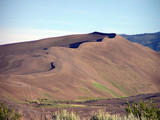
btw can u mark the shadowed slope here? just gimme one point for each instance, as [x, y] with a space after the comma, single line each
[48, 68]
[110, 35]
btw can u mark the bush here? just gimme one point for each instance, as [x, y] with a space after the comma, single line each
[7, 113]
[100, 115]
[141, 110]
[64, 115]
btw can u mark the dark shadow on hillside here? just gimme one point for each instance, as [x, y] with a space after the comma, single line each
[52, 66]
[76, 45]
[110, 35]
[45, 48]
[99, 40]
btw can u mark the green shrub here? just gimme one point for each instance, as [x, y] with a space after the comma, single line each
[100, 115]
[142, 110]
[7, 113]
[64, 115]
[131, 117]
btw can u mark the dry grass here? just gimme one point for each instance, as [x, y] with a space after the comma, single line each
[100, 115]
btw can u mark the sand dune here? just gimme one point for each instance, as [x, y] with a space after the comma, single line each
[78, 66]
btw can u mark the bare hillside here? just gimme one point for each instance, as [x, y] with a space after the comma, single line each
[78, 67]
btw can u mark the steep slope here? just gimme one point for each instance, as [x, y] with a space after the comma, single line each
[151, 40]
[102, 65]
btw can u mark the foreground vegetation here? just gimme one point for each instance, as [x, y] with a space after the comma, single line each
[7, 113]
[142, 110]
[134, 111]
[101, 115]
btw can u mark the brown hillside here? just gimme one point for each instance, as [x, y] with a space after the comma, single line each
[78, 67]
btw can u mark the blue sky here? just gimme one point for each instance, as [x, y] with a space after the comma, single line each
[23, 20]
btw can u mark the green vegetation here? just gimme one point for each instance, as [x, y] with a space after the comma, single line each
[64, 115]
[88, 98]
[100, 115]
[62, 106]
[7, 113]
[47, 95]
[58, 90]
[135, 89]
[150, 40]
[136, 111]
[118, 66]
[44, 102]
[141, 110]
[103, 88]
[85, 90]
[120, 87]
[104, 76]
[10, 97]
[114, 83]
[133, 75]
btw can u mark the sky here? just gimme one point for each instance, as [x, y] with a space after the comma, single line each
[27, 20]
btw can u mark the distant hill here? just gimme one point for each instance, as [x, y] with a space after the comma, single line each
[151, 40]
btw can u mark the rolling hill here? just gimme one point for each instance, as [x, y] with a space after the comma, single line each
[82, 66]
[151, 40]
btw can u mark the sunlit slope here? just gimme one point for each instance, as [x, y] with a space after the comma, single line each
[100, 66]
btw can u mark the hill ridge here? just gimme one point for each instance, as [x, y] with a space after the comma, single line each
[114, 67]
